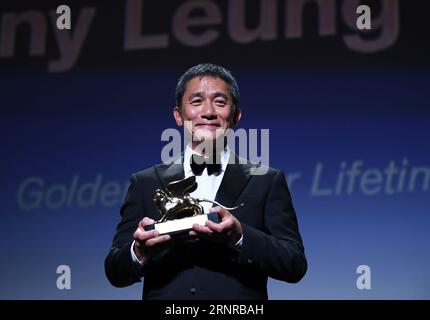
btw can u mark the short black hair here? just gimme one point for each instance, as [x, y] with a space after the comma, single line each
[211, 70]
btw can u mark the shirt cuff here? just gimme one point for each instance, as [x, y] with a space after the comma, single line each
[134, 257]
[239, 243]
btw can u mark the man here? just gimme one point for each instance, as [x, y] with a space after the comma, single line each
[231, 259]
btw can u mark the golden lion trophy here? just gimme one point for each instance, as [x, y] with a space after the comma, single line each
[179, 211]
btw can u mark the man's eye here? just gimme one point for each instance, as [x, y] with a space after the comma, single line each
[196, 102]
[220, 102]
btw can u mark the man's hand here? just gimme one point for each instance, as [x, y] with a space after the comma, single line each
[148, 243]
[228, 231]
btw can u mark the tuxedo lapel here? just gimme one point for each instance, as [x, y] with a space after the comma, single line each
[235, 178]
[170, 173]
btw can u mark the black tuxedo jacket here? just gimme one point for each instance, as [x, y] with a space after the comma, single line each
[201, 269]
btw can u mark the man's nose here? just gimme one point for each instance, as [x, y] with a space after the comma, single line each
[208, 111]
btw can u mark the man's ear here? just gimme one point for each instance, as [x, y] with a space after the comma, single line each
[177, 114]
[237, 115]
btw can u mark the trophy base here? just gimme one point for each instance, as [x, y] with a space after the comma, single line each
[180, 226]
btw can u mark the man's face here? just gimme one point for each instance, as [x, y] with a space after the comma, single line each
[207, 108]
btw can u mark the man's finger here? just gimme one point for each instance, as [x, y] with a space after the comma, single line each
[220, 227]
[201, 229]
[141, 235]
[157, 240]
[223, 213]
[145, 221]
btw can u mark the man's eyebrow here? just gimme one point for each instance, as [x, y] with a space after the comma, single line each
[195, 94]
[220, 94]
[214, 95]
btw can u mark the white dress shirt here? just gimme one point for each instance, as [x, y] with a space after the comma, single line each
[208, 185]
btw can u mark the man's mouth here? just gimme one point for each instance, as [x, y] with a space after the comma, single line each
[207, 125]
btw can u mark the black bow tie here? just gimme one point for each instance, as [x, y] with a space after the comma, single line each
[199, 163]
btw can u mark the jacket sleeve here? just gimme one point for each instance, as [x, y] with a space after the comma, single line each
[278, 250]
[119, 266]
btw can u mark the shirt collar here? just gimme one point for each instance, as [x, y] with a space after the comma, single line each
[225, 156]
